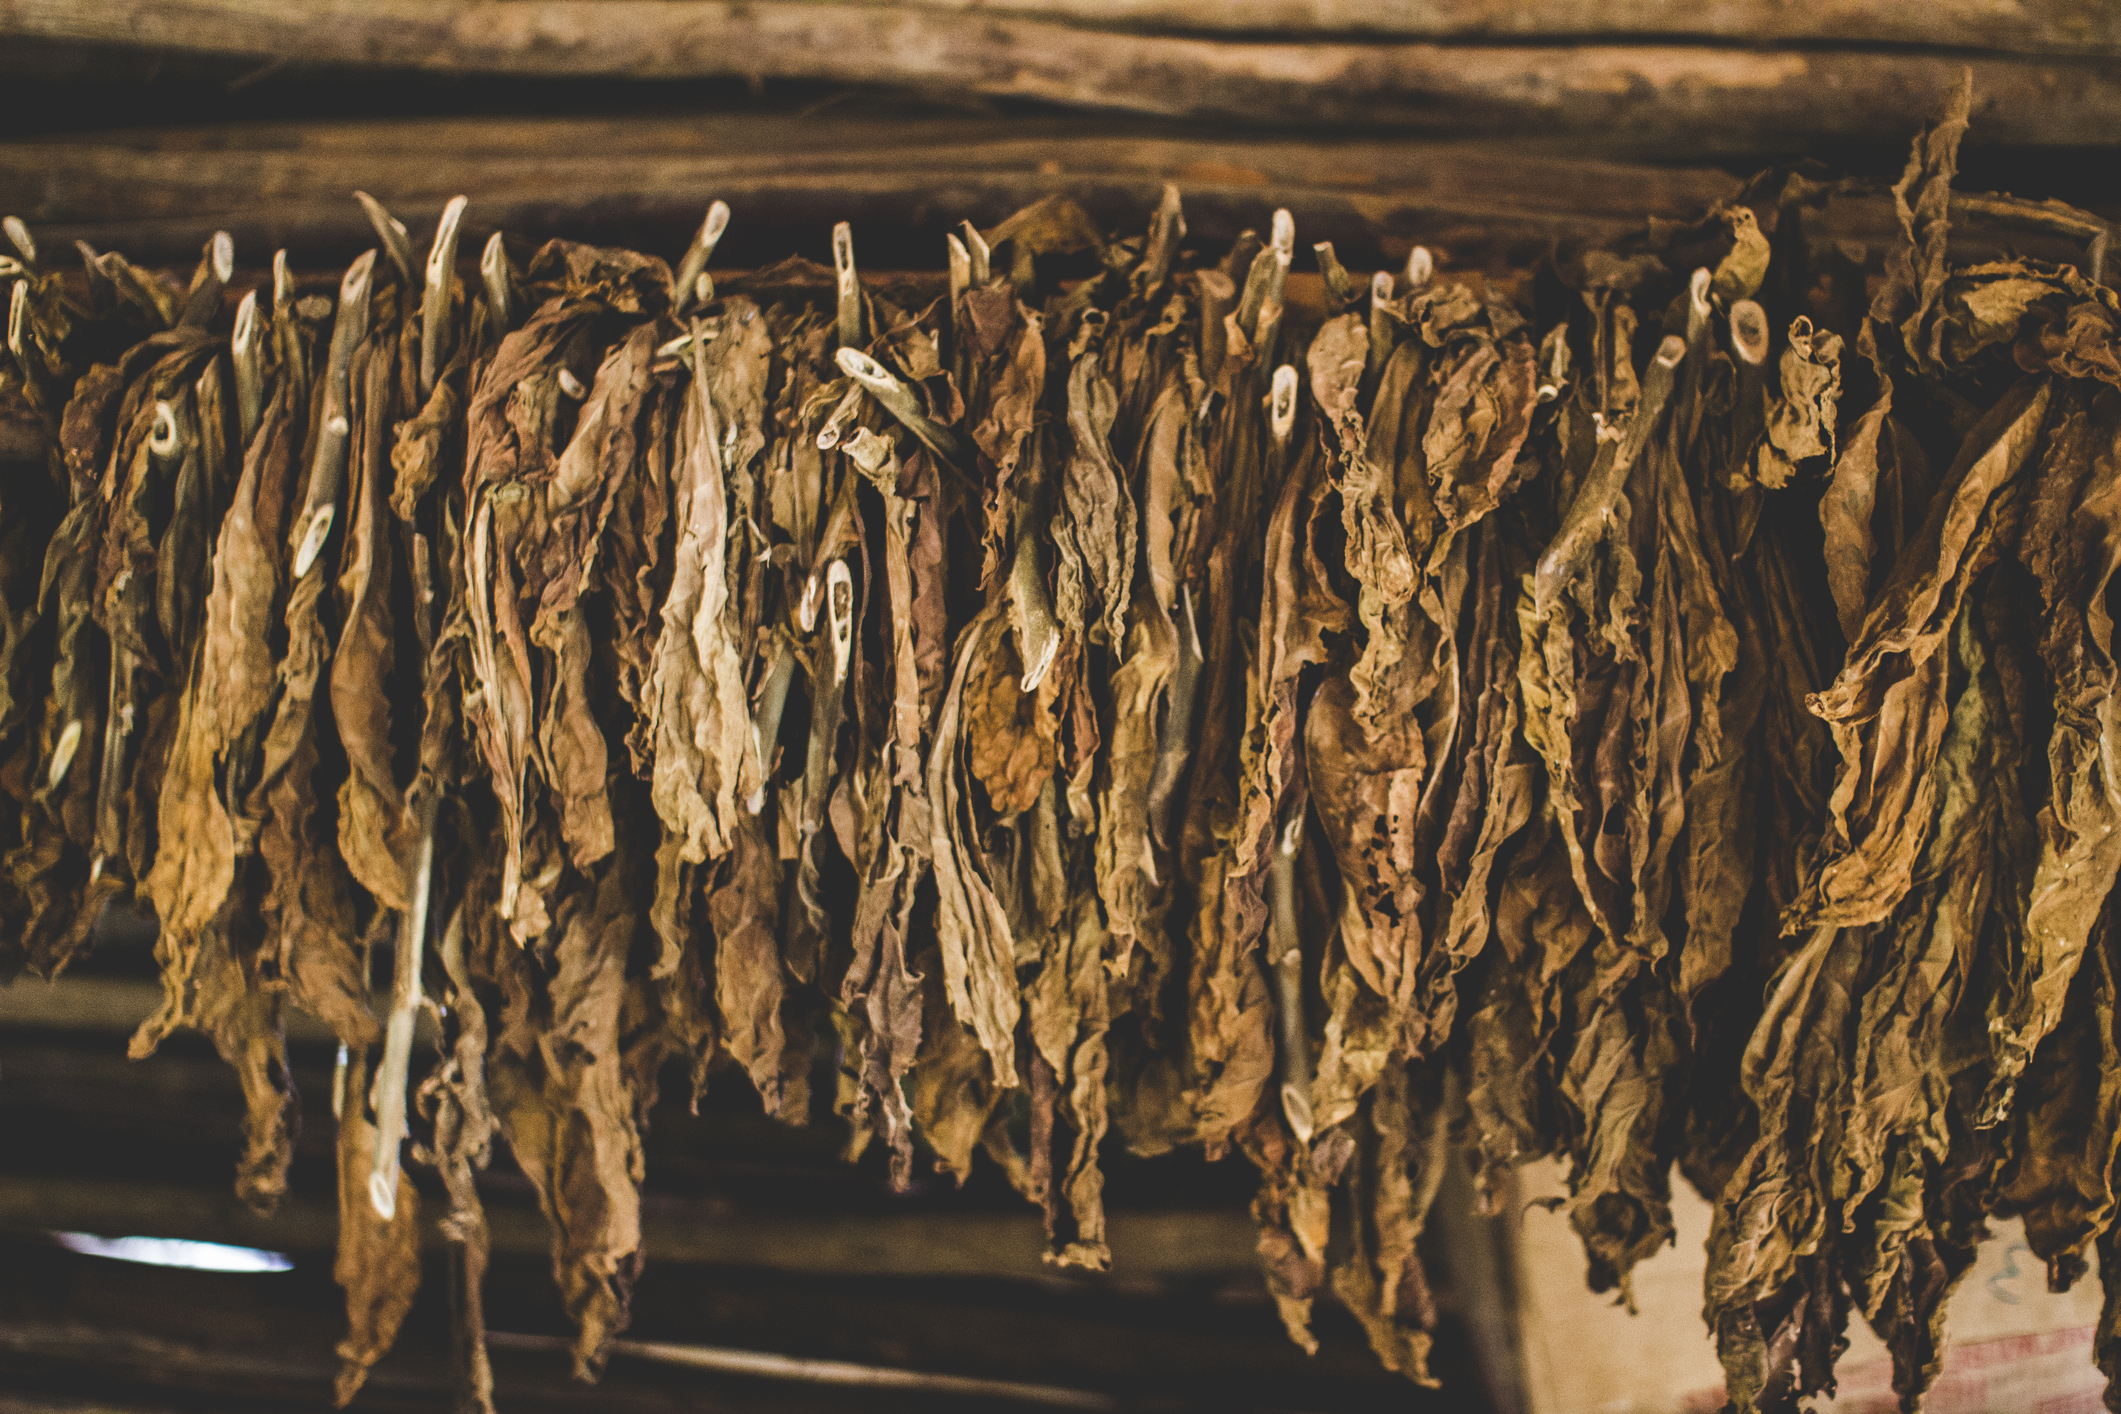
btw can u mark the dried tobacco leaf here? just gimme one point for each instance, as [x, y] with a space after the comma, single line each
[1428, 746]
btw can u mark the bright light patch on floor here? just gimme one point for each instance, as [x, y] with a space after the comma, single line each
[175, 1252]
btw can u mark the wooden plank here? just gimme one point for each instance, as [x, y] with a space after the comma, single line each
[159, 194]
[1674, 98]
[643, 181]
[2064, 27]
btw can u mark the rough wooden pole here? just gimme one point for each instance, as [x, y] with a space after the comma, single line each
[1677, 97]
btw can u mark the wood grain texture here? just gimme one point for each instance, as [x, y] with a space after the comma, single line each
[160, 194]
[1674, 97]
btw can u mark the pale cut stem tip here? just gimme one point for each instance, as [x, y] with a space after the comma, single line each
[313, 539]
[493, 269]
[1421, 268]
[383, 1193]
[1043, 655]
[1698, 291]
[353, 284]
[1297, 1106]
[63, 754]
[865, 370]
[976, 247]
[18, 321]
[1284, 239]
[244, 337]
[18, 236]
[1038, 633]
[1556, 348]
[712, 228]
[224, 257]
[571, 385]
[443, 253]
[1749, 332]
[163, 441]
[806, 607]
[850, 289]
[283, 281]
[441, 274]
[1282, 404]
[686, 284]
[391, 231]
[839, 600]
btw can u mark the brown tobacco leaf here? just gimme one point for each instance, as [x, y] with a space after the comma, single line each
[2066, 1123]
[149, 568]
[1096, 539]
[1298, 613]
[1229, 1038]
[379, 1261]
[1800, 420]
[309, 911]
[888, 994]
[1378, 555]
[706, 765]
[1008, 349]
[243, 1021]
[203, 825]
[1478, 422]
[1916, 268]
[1498, 786]
[417, 446]
[1010, 735]
[564, 1095]
[1886, 706]
[978, 950]
[1740, 273]
[878, 984]
[1391, 1180]
[683, 971]
[750, 980]
[2071, 542]
[1293, 1210]
[376, 830]
[51, 865]
[453, 1098]
[587, 483]
[509, 463]
[1151, 687]
[1880, 483]
[1068, 1013]
[1861, 1029]
[955, 1098]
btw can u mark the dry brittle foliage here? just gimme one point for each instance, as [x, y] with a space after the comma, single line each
[1586, 716]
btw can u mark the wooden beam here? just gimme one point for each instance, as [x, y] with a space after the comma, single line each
[159, 194]
[1674, 98]
[2057, 27]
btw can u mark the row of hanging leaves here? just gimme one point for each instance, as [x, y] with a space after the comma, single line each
[1550, 717]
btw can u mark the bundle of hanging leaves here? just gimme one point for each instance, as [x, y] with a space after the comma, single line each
[1581, 714]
